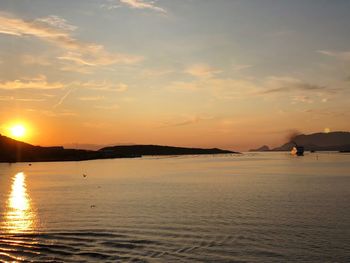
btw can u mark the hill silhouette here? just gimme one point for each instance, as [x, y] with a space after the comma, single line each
[16, 151]
[160, 150]
[332, 141]
[263, 148]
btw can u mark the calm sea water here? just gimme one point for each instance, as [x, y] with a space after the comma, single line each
[256, 207]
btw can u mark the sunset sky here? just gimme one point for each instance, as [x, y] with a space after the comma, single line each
[233, 74]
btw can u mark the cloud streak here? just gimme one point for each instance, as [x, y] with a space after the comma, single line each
[95, 98]
[10, 98]
[345, 55]
[202, 71]
[57, 31]
[58, 22]
[62, 113]
[189, 120]
[270, 87]
[39, 83]
[141, 4]
[107, 107]
[288, 84]
[104, 86]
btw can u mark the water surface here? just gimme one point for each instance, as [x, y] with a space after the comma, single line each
[255, 207]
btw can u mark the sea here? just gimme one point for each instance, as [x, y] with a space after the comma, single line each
[250, 207]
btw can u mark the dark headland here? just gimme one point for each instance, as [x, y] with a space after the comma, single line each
[332, 141]
[16, 151]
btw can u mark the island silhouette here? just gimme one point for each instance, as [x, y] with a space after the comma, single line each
[332, 141]
[16, 151]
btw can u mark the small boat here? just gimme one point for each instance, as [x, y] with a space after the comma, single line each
[297, 150]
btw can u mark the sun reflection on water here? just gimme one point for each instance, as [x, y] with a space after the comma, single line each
[19, 214]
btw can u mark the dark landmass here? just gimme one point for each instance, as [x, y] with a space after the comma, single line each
[333, 141]
[16, 151]
[160, 150]
[91, 147]
[263, 148]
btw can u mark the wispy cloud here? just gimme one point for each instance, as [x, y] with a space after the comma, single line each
[219, 88]
[6, 98]
[92, 98]
[104, 86]
[81, 69]
[129, 99]
[11, 98]
[58, 22]
[49, 113]
[110, 5]
[57, 31]
[155, 73]
[142, 4]
[239, 67]
[270, 88]
[183, 86]
[342, 55]
[121, 87]
[35, 60]
[39, 82]
[286, 84]
[98, 56]
[97, 125]
[29, 99]
[202, 71]
[302, 98]
[184, 121]
[231, 88]
[107, 107]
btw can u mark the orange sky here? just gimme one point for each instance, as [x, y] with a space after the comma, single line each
[170, 72]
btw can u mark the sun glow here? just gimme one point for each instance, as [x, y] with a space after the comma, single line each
[18, 131]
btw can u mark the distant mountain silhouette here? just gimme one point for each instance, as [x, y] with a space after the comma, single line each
[263, 148]
[160, 150]
[16, 151]
[333, 141]
[92, 147]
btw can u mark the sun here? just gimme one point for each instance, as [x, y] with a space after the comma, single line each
[18, 131]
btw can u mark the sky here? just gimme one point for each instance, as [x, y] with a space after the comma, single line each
[234, 74]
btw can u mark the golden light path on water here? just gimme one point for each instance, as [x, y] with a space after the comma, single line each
[19, 215]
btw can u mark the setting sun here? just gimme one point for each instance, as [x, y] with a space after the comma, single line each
[18, 131]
